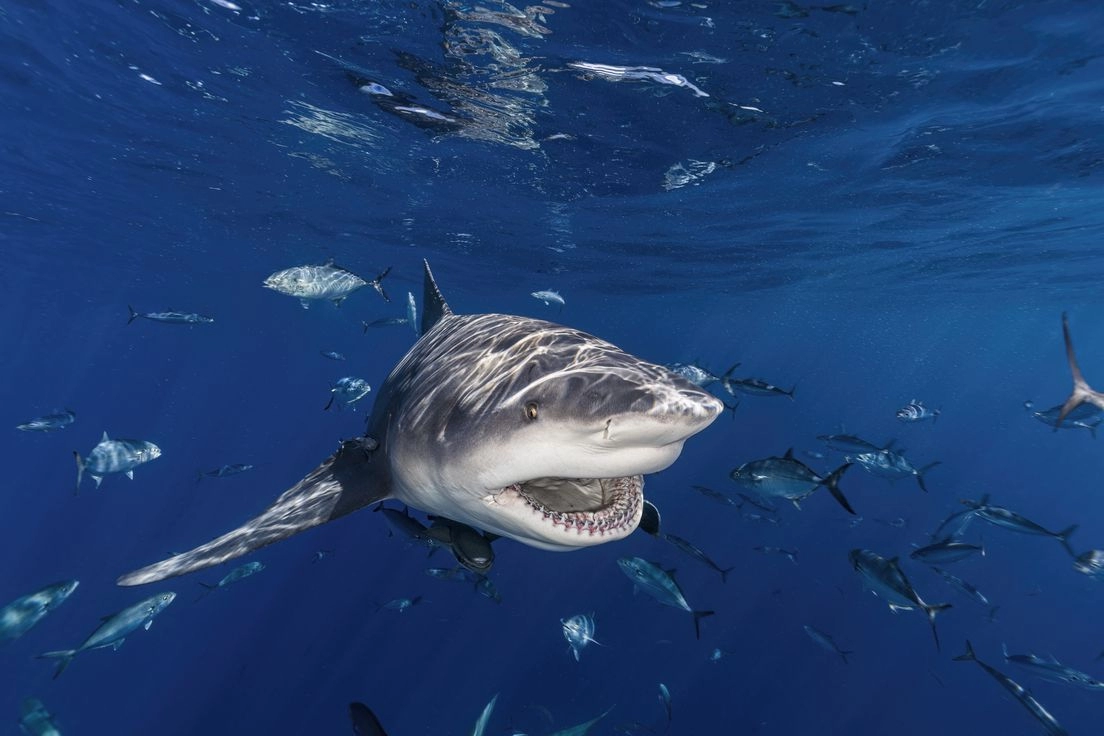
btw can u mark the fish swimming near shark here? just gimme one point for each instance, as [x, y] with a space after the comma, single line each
[328, 282]
[115, 456]
[885, 579]
[1016, 522]
[789, 478]
[171, 317]
[1026, 699]
[59, 419]
[661, 585]
[515, 426]
[36, 720]
[20, 616]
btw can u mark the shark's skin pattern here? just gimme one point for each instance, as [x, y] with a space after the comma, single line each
[511, 425]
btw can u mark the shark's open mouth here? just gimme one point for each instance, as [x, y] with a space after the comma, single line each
[593, 506]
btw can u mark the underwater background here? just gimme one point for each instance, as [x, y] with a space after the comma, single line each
[873, 202]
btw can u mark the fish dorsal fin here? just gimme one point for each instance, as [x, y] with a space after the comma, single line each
[434, 307]
[105, 437]
[789, 454]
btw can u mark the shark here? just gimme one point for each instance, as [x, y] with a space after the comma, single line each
[518, 427]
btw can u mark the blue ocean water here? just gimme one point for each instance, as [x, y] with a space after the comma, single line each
[873, 202]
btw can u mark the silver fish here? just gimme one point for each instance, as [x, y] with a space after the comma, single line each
[1018, 692]
[384, 322]
[789, 478]
[484, 717]
[238, 573]
[1090, 563]
[116, 628]
[790, 554]
[332, 354]
[886, 463]
[658, 583]
[171, 317]
[36, 720]
[579, 631]
[964, 586]
[1053, 670]
[19, 616]
[665, 698]
[1007, 519]
[717, 496]
[915, 411]
[695, 374]
[548, 297]
[328, 281]
[401, 604]
[225, 471]
[887, 580]
[848, 443]
[115, 456]
[946, 551]
[49, 422]
[348, 390]
[1085, 416]
[698, 555]
[826, 642]
[753, 387]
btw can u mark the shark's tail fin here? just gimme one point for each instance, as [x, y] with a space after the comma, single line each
[1082, 392]
[832, 484]
[932, 611]
[968, 655]
[65, 655]
[1063, 537]
[698, 616]
[920, 474]
[346, 481]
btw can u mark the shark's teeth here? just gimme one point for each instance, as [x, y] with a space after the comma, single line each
[624, 498]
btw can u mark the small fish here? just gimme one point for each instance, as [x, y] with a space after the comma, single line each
[1053, 670]
[661, 585]
[946, 551]
[401, 604]
[717, 496]
[332, 354]
[224, 471]
[762, 518]
[887, 580]
[412, 313]
[848, 443]
[698, 555]
[826, 642]
[915, 411]
[484, 717]
[321, 555]
[115, 456]
[1012, 521]
[328, 282]
[789, 478]
[364, 720]
[548, 297]
[58, 420]
[758, 503]
[613, 73]
[19, 616]
[36, 720]
[1018, 692]
[665, 698]
[1090, 563]
[886, 463]
[113, 630]
[579, 631]
[753, 386]
[348, 391]
[384, 322]
[1085, 416]
[695, 374]
[964, 586]
[790, 554]
[238, 573]
[580, 729]
[171, 317]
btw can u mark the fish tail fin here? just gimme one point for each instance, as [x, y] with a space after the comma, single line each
[732, 408]
[207, 588]
[968, 655]
[728, 373]
[365, 323]
[933, 611]
[920, 474]
[347, 480]
[65, 655]
[80, 471]
[698, 616]
[843, 655]
[790, 393]
[1063, 537]
[725, 572]
[133, 315]
[377, 283]
[832, 484]
[1082, 392]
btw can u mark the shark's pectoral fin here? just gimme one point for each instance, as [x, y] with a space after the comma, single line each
[349, 479]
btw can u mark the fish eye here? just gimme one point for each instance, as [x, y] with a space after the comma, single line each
[531, 410]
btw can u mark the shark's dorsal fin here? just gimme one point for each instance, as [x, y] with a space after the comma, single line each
[433, 304]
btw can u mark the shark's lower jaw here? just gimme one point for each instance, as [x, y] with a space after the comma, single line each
[602, 508]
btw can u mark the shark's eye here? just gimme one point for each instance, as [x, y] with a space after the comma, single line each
[531, 410]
